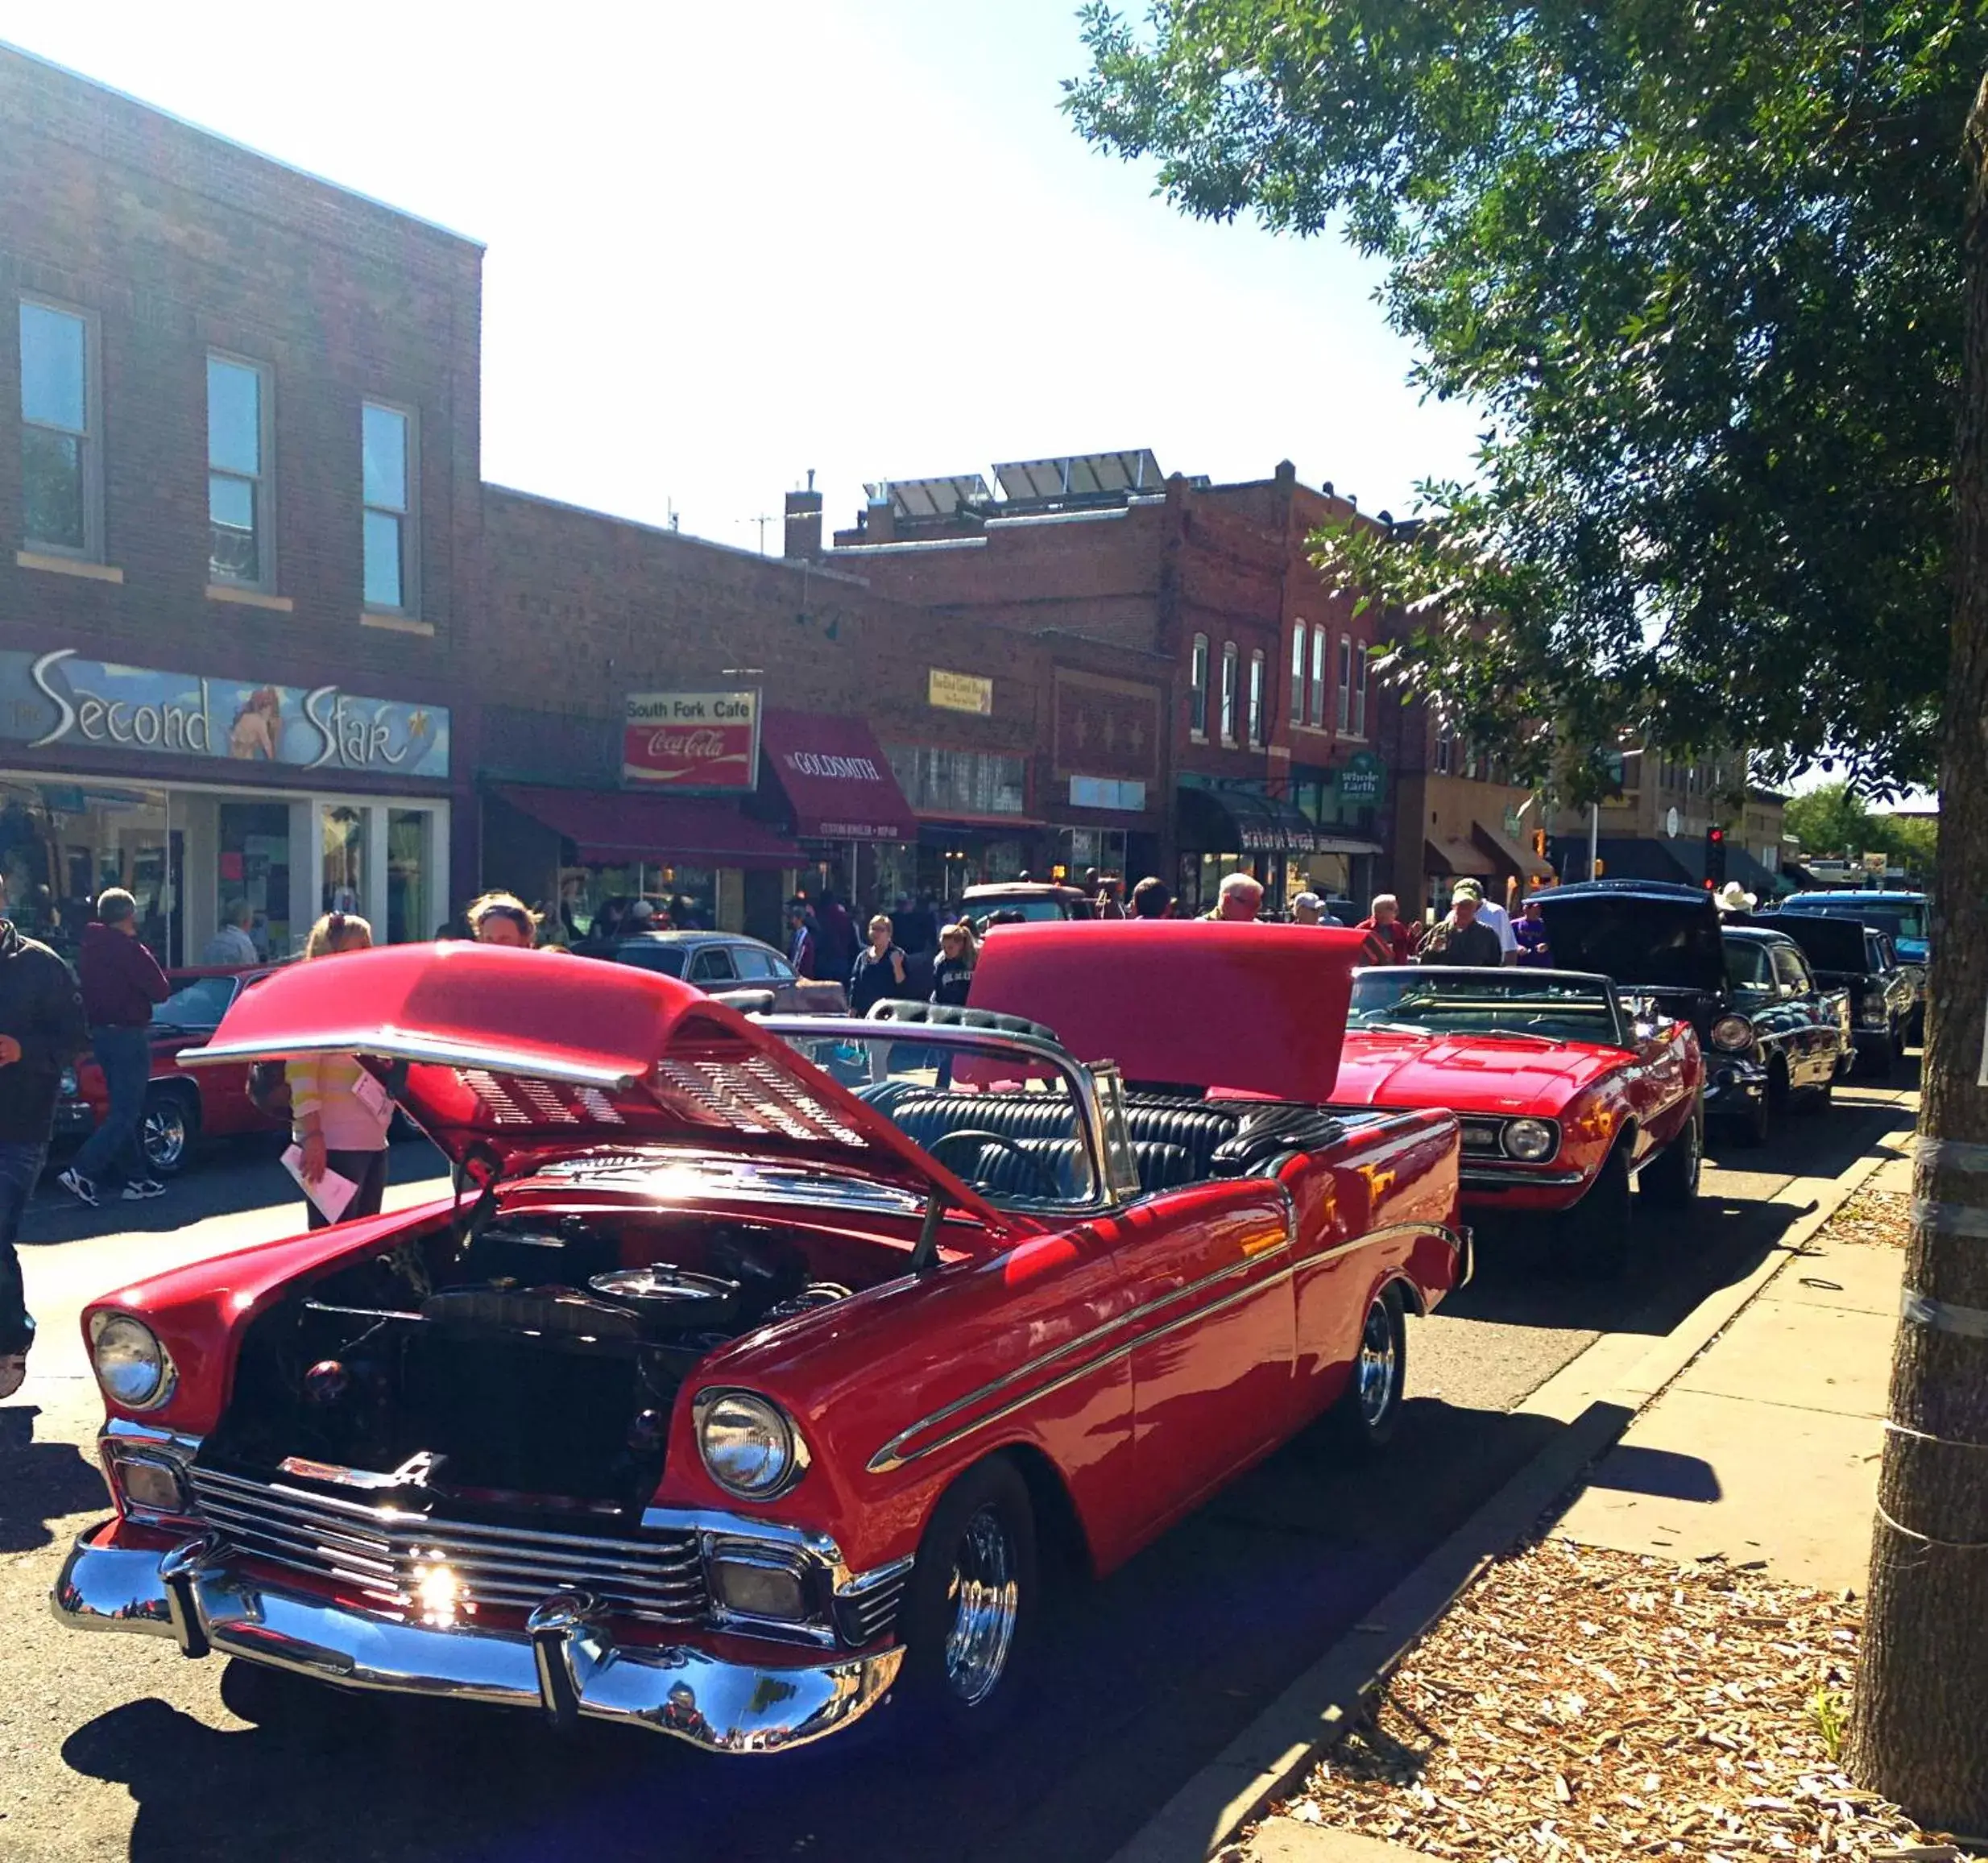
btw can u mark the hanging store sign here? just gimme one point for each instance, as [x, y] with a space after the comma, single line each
[47, 699]
[1362, 781]
[959, 692]
[691, 740]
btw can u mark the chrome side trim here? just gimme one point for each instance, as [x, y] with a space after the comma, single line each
[1492, 1176]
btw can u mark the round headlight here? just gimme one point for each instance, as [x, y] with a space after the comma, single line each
[747, 1443]
[132, 1366]
[1733, 1034]
[1530, 1140]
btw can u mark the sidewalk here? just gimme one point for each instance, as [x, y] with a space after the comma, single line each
[1761, 1453]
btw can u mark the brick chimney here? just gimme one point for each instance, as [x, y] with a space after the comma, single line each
[804, 521]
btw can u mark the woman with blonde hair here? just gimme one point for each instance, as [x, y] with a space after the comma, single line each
[502, 918]
[339, 1113]
[952, 976]
[879, 970]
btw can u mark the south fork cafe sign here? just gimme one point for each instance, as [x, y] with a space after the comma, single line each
[57, 699]
[691, 740]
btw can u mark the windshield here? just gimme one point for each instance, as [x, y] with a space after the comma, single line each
[1507, 1002]
[1748, 966]
[198, 1005]
[1013, 1125]
[652, 954]
[995, 912]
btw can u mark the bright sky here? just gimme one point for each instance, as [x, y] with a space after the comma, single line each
[729, 243]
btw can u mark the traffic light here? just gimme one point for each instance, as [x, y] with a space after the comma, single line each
[1715, 856]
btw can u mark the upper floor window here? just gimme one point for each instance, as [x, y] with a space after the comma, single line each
[1297, 635]
[238, 486]
[1257, 739]
[1318, 676]
[59, 462]
[387, 447]
[1198, 689]
[1345, 682]
[1229, 692]
[1444, 750]
[1361, 658]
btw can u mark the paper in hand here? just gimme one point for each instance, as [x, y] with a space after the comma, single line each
[331, 1193]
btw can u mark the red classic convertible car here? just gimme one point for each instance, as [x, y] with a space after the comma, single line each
[732, 1391]
[1567, 1092]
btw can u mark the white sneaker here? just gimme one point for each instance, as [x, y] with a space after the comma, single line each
[79, 1187]
[143, 1189]
[12, 1372]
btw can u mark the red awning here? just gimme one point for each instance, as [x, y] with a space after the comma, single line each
[839, 783]
[611, 829]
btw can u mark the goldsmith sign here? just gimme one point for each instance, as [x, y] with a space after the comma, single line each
[59, 698]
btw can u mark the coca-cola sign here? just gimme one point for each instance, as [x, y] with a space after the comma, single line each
[692, 740]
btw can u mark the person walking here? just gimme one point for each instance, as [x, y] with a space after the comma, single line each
[495, 918]
[42, 1031]
[804, 944]
[1493, 916]
[232, 947]
[1384, 919]
[1464, 937]
[339, 1113]
[122, 980]
[1239, 900]
[879, 970]
[1530, 931]
[952, 976]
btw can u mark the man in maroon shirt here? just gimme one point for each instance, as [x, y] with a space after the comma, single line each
[1385, 923]
[121, 982]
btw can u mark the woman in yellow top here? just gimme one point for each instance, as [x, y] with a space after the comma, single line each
[339, 1113]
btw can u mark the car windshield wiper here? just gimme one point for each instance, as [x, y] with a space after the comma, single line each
[1398, 1027]
[1517, 1035]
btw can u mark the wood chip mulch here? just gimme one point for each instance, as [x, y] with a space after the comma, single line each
[1876, 1219]
[1577, 1703]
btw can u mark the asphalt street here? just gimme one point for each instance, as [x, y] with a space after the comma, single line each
[115, 1746]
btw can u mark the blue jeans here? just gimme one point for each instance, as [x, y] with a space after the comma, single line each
[20, 1165]
[126, 1057]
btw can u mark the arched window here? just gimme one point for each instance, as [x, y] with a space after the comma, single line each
[1228, 692]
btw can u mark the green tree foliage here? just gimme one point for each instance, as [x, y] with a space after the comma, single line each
[1834, 821]
[1697, 261]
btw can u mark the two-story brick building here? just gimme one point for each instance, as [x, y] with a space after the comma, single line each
[1260, 754]
[239, 491]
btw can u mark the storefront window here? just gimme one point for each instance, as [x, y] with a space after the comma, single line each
[408, 917]
[940, 782]
[253, 863]
[61, 844]
[344, 883]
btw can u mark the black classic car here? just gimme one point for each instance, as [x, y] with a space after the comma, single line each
[1851, 956]
[727, 964]
[1772, 1037]
[1903, 917]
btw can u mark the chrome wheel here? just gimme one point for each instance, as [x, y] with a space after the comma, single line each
[165, 1134]
[1377, 1367]
[984, 1597]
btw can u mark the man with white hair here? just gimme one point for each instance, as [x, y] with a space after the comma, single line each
[1384, 924]
[1240, 900]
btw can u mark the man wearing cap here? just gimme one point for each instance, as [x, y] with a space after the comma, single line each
[1307, 908]
[1464, 938]
[1493, 916]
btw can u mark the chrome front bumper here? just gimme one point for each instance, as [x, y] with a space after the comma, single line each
[1733, 1086]
[563, 1662]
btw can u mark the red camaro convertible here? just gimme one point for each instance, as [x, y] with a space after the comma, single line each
[753, 1362]
[1568, 1091]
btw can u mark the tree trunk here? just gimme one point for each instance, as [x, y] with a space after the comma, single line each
[1920, 1730]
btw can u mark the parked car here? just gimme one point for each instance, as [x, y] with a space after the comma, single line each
[1567, 1097]
[1846, 955]
[1903, 917]
[1034, 900]
[1665, 944]
[724, 1399]
[182, 1106]
[725, 964]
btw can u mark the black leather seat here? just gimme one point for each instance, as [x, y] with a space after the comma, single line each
[1198, 1130]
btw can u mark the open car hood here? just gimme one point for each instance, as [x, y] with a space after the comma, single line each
[1257, 1009]
[1644, 943]
[535, 1054]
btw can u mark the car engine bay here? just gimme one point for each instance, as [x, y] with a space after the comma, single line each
[530, 1366]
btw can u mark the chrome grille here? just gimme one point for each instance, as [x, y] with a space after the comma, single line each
[385, 1552]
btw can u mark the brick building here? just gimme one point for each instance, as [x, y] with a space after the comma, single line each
[241, 481]
[1264, 759]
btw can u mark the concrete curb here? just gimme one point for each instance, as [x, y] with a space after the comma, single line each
[1596, 1397]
